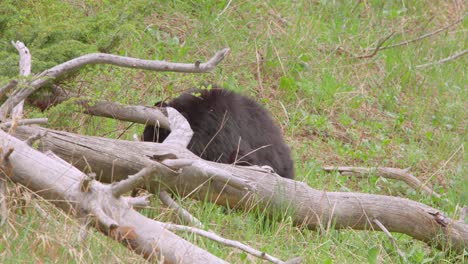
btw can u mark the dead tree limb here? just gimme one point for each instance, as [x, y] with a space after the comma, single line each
[392, 240]
[450, 58]
[377, 48]
[385, 172]
[61, 183]
[184, 215]
[224, 241]
[132, 113]
[308, 207]
[25, 70]
[25, 122]
[100, 58]
[430, 34]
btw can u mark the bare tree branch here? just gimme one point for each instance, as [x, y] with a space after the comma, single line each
[392, 240]
[132, 113]
[101, 58]
[377, 48]
[25, 122]
[422, 36]
[181, 212]
[385, 172]
[224, 241]
[25, 70]
[450, 58]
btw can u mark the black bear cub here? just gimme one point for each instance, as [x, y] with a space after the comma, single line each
[229, 128]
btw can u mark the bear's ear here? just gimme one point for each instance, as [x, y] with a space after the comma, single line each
[161, 104]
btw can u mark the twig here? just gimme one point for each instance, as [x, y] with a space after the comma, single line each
[377, 48]
[102, 58]
[385, 172]
[392, 240]
[224, 10]
[451, 58]
[24, 122]
[224, 241]
[5, 89]
[181, 212]
[423, 36]
[131, 182]
[25, 70]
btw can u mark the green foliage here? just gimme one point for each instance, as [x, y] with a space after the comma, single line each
[299, 58]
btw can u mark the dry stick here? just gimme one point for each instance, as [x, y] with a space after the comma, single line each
[131, 113]
[181, 212]
[385, 172]
[377, 48]
[224, 241]
[451, 58]
[392, 240]
[24, 122]
[25, 70]
[423, 36]
[102, 58]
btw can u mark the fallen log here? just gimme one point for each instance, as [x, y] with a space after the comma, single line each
[71, 190]
[184, 173]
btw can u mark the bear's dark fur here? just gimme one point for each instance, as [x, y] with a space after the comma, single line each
[229, 128]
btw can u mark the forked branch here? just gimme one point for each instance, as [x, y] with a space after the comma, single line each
[102, 58]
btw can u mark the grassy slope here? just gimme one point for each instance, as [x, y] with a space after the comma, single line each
[297, 57]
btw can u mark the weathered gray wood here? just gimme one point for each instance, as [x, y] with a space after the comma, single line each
[101, 58]
[59, 182]
[115, 159]
[25, 70]
[132, 113]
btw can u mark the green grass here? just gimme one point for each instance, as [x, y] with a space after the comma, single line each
[298, 58]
